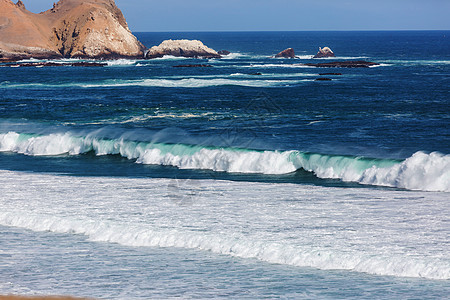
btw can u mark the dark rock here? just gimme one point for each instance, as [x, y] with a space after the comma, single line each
[193, 66]
[20, 4]
[325, 74]
[324, 52]
[224, 52]
[288, 53]
[343, 64]
[88, 64]
[54, 64]
[323, 79]
[256, 74]
[8, 60]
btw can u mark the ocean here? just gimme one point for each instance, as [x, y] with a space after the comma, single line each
[245, 179]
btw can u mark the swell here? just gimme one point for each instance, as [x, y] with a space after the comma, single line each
[421, 171]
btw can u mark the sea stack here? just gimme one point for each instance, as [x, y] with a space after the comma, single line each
[182, 48]
[72, 28]
[288, 53]
[324, 52]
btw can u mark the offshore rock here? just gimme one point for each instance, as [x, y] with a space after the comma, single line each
[182, 48]
[288, 53]
[343, 64]
[324, 52]
[224, 52]
[72, 28]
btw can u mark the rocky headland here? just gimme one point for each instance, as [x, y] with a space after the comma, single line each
[97, 29]
[71, 29]
[182, 48]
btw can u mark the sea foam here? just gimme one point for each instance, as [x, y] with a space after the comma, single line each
[421, 171]
[364, 230]
[193, 83]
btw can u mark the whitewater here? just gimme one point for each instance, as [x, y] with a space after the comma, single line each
[421, 171]
[284, 225]
[248, 179]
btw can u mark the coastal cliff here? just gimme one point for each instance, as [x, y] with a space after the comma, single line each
[72, 28]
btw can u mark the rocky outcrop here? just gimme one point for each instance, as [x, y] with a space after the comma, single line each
[224, 52]
[343, 64]
[288, 53]
[23, 34]
[182, 48]
[72, 28]
[324, 52]
[92, 29]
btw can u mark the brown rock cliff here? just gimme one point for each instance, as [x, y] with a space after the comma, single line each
[72, 28]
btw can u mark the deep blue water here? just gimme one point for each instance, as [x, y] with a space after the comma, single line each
[384, 128]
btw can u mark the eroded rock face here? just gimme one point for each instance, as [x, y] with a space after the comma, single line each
[21, 34]
[288, 53]
[324, 52]
[182, 48]
[92, 29]
[72, 28]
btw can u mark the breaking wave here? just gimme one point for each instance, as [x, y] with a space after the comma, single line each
[421, 171]
[273, 66]
[235, 245]
[121, 62]
[171, 57]
[193, 83]
[170, 83]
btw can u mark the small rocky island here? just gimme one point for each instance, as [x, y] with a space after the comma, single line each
[288, 53]
[182, 48]
[324, 52]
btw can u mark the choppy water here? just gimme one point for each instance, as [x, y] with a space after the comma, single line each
[216, 182]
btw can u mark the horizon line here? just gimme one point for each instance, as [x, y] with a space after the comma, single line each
[350, 30]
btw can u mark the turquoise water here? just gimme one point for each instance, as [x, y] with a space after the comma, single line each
[155, 181]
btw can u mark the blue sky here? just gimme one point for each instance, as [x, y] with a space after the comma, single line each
[267, 15]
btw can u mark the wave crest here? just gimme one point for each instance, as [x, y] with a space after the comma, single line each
[421, 171]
